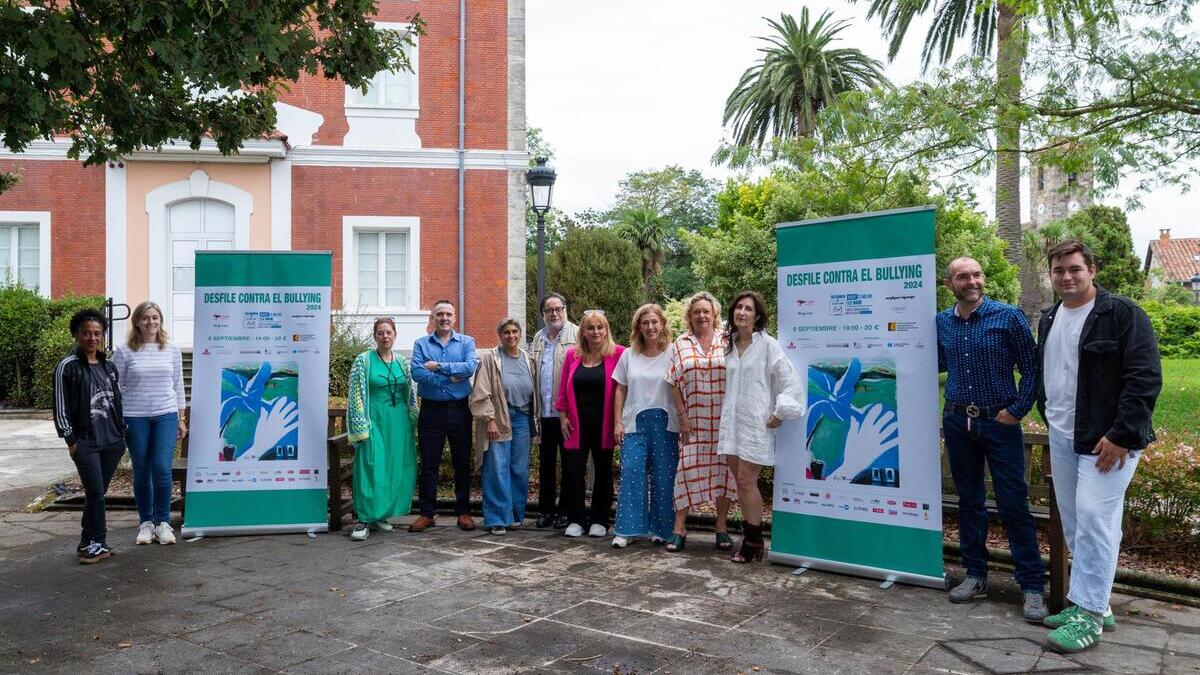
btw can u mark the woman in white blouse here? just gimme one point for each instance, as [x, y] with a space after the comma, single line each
[761, 391]
[647, 434]
[150, 372]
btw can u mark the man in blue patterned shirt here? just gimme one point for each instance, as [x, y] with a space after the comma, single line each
[980, 340]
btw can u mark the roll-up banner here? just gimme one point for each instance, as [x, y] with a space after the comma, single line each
[858, 480]
[257, 458]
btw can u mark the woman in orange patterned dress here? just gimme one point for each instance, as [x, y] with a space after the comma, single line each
[697, 375]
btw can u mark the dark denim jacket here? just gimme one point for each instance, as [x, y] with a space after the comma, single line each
[1120, 374]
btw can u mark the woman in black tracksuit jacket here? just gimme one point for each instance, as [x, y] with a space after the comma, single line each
[88, 416]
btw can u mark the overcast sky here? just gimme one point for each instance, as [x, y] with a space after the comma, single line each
[624, 85]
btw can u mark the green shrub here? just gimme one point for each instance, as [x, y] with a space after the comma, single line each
[53, 344]
[1163, 500]
[594, 268]
[347, 340]
[23, 314]
[1177, 328]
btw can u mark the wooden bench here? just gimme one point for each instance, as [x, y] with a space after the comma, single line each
[1042, 505]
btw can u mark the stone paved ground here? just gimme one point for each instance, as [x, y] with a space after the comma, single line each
[532, 601]
[32, 456]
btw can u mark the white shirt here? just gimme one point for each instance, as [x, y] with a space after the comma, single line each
[759, 382]
[1060, 367]
[151, 380]
[647, 388]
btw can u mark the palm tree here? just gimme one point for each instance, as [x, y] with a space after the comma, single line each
[799, 74]
[648, 232]
[991, 23]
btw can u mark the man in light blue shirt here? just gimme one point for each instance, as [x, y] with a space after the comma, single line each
[549, 349]
[442, 365]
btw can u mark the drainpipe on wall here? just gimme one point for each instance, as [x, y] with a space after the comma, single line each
[462, 155]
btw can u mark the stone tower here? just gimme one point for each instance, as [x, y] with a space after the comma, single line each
[1054, 193]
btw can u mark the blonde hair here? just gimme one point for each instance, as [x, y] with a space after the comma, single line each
[582, 346]
[134, 339]
[702, 296]
[664, 335]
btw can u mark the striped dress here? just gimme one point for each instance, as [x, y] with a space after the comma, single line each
[702, 476]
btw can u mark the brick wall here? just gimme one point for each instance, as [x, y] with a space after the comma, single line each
[487, 76]
[74, 196]
[322, 195]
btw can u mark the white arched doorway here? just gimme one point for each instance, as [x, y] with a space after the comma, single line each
[197, 214]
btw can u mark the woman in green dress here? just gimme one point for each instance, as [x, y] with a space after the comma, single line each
[380, 417]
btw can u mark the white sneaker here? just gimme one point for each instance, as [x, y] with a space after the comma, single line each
[145, 533]
[574, 530]
[620, 542]
[164, 534]
[359, 533]
[597, 530]
[516, 525]
[382, 526]
[655, 539]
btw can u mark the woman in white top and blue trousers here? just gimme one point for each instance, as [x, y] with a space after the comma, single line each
[647, 434]
[151, 376]
[762, 390]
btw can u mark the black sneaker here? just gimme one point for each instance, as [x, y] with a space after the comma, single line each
[545, 520]
[94, 553]
[561, 522]
[82, 548]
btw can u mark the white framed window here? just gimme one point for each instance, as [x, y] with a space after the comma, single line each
[389, 88]
[25, 249]
[381, 260]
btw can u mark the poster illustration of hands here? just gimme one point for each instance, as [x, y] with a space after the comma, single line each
[257, 457]
[858, 480]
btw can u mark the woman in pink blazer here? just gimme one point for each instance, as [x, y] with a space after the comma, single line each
[585, 410]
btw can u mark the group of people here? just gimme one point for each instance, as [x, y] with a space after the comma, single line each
[1094, 374]
[694, 418]
[134, 400]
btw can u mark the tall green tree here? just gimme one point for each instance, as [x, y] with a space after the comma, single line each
[1105, 230]
[119, 76]
[594, 268]
[798, 75]
[647, 231]
[992, 24]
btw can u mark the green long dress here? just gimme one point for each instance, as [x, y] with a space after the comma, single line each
[385, 465]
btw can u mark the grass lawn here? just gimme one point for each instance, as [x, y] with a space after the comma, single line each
[1178, 408]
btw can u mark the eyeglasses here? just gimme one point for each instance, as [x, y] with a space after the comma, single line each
[554, 310]
[593, 311]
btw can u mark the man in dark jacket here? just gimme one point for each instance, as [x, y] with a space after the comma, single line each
[88, 416]
[1101, 376]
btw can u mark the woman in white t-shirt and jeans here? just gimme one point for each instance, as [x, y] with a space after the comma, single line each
[151, 377]
[647, 434]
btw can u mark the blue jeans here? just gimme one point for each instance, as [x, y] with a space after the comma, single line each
[151, 448]
[1091, 505]
[506, 475]
[648, 461]
[1002, 447]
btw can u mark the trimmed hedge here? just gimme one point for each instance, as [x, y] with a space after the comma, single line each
[55, 343]
[31, 327]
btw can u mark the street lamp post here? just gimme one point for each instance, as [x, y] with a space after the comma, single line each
[541, 187]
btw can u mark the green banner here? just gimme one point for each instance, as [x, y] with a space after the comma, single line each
[858, 479]
[257, 455]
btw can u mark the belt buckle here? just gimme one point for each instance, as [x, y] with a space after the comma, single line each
[973, 410]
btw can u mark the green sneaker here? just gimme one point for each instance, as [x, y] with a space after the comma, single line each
[1067, 615]
[1075, 636]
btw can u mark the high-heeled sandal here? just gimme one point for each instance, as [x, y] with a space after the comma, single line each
[676, 543]
[724, 541]
[752, 547]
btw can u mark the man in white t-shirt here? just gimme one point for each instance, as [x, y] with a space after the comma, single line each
[1101, 376]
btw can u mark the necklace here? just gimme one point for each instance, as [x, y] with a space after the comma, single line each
[394, 381]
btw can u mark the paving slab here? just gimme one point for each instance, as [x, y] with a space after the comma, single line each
[447, 601]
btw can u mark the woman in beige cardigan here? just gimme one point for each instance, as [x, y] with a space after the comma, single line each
[506, 412]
